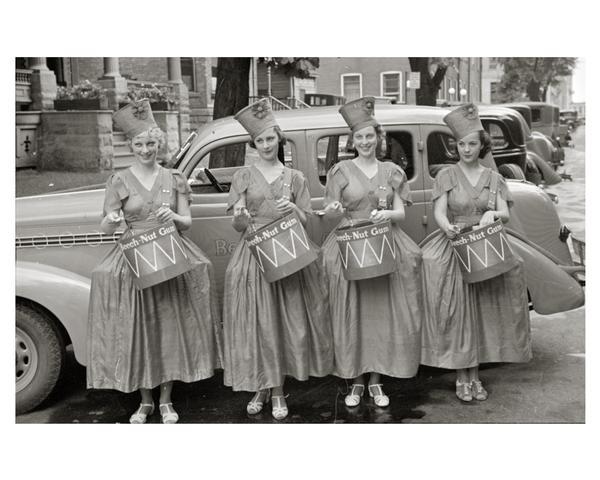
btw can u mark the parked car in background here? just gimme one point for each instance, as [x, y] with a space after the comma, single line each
[569, 118]
[546, 148]
[58, 239]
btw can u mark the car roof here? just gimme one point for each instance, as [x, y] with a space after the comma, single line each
[316, 118]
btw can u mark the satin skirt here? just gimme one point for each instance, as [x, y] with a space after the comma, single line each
[376, 322]
[469, 324]
[142, 338]
[273, 330]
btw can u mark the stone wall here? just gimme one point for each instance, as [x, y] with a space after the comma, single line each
[76, 140]
[146, 69]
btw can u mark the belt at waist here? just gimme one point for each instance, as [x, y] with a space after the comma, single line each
[138, 227]
[469, 221]
[358, 214]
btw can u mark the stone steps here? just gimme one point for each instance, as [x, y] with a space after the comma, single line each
[122, 156]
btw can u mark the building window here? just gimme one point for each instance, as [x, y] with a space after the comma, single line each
[392, 85]
[352, 86]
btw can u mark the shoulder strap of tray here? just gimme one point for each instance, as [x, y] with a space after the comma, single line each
[493, 191]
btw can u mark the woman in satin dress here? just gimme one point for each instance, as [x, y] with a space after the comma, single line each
[141, 339]
[470, 324]
[376, 322]
[278, 329]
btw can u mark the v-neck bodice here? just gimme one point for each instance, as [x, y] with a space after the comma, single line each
[264, 178]
[474, 190]
[142, 187]
[369, 179]
[261, 195]
[139, 205]
[359, 194]
[467, 202]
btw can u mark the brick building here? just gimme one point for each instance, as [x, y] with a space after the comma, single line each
[354, 77]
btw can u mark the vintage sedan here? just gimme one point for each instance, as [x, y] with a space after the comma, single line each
[58, 239]
[546, 154]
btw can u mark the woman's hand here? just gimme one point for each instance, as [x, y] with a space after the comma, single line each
[378, 216]
[334, 206]
[113, 218]
[284, 206]
[487, 218]
[451, 230]
[164, 214]
[241, 212]
[241, 217]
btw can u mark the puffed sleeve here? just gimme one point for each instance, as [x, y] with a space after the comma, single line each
[301, 195]
[503, 190]
[443, 183]
[182, 186]
[239, 184]
[399, 182]
[116, 191]
[336, 182]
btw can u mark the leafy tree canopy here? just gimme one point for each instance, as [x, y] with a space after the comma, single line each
[300, 67]
[532, 76]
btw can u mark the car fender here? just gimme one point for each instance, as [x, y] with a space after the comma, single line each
[548, 174]
[63, 293]
[551, 288]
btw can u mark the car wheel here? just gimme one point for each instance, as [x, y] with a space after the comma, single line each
[510, 170]
[40, 357]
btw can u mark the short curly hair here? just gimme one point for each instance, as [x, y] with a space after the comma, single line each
[280, 134]
[155, 133]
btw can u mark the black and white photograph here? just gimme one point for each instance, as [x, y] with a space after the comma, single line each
[358, 243]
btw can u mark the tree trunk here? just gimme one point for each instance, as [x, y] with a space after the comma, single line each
[232, 92]
[533, 90]
[427, 93]
[231, 96]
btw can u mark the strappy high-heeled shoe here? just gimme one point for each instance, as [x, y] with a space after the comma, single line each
[464, 391]
[168, 413]
[353, 398]
[376, 393]
[256, 404]
[140, 417]
[279, 411]
[479, 393]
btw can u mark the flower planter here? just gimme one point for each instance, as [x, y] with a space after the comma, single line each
[81, 104]
[156, 106]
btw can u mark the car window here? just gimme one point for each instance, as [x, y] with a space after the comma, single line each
[497, 136]
[536, 115]
[396, 147]
[441, 152]
[223, 161]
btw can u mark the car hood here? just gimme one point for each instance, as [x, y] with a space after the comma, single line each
[48, 214]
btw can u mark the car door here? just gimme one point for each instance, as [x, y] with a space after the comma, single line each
[326, 147]
[211, 227]
[439, 152]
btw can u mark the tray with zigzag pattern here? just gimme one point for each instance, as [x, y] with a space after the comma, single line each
[484, 252]
[367, 249]
[281, 247]
[155, 255]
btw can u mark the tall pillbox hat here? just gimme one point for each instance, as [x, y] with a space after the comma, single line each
[359, 113]
[135, 118]
[464, 120]
[256, 118]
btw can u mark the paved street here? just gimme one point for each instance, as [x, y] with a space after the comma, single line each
[548, 389]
